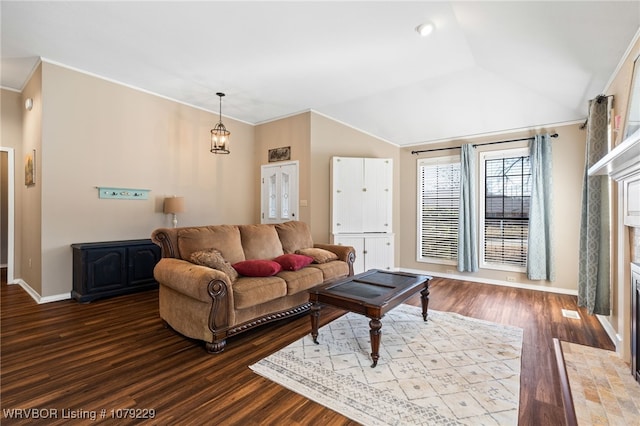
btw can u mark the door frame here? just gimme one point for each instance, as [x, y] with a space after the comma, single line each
[10, 212]
[294, 163]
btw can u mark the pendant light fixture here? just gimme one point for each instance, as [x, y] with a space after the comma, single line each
[220, 136]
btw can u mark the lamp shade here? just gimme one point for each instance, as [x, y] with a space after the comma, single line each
[174, 205]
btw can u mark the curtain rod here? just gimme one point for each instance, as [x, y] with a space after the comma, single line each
[555, 135]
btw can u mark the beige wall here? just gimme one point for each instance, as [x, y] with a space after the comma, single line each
[330, 138]
[314, 139]
[620, 88]
[568, 169]
[293, 131]
[90, 132]
[97, 133]
[31, 202]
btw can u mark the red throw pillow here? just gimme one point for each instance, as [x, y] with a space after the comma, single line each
[293, 262]
[257, 268]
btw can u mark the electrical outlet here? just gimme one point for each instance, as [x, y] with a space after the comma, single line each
[29, 262]
[511, 279]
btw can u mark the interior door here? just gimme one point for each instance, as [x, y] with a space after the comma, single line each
[279, 192]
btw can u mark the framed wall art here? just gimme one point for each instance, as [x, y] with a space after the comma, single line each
[280, 154]
[30, 169]
[633, 110]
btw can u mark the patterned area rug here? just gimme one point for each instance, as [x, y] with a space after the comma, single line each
[603, 389]
[450, 370]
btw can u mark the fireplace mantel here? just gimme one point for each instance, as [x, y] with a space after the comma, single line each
[622, 162]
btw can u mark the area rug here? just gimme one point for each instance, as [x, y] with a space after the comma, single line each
[449, 370]
[603, 389]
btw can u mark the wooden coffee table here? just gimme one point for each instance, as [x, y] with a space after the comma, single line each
[372, 294]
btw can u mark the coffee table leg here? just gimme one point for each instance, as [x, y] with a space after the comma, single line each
[374, 331]
[315, 319]
[425, 300]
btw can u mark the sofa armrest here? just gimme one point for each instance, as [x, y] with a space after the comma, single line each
[166, 239]
[344, 253]
[188, 278]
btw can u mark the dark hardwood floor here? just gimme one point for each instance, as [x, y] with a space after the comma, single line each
[115, 354]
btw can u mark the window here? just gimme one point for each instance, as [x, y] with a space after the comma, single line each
[504, 209]
[438, 205]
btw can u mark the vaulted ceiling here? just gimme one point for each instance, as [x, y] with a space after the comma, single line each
[487, 67]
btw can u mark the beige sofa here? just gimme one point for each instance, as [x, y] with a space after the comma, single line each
[213, 302]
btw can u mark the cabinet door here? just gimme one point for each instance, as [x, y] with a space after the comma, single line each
[376, 203]
[106, 269]
[378, 253]
[348, 189]
[142, 259]
[357, 242]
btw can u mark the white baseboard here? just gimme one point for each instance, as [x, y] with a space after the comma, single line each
[493, 282]
[615, 337]
[39, 299]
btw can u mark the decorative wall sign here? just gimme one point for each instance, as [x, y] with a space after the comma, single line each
[280, 154]
[30, 169]
[123, 193]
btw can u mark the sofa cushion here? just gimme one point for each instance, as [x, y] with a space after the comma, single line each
[260, 241]
[225, 238]
[293, 262]
[294, 235]
[319, 255]
[301, 280]
[332, 270]
[250, 291]
[214, 259]
[257, 268]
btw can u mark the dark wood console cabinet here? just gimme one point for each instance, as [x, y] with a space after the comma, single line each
[635, 320]
[113, 268]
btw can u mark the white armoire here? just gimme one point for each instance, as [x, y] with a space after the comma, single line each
[361, 209]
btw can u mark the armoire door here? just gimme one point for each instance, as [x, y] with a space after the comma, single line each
[279, 192]
[347, 187]
[377, 197]
[361, 194]
[357, 242]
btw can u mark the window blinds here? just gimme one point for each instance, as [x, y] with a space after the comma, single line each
[506, 210]
[439, 195]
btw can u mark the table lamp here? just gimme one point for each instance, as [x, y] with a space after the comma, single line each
[173, 205]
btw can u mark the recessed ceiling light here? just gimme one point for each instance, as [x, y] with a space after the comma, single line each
[426, 28]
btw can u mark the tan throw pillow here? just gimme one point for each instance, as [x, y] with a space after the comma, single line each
[319, 255]
[260, 242]
[213, 259]
[226, 238]
[294, 235]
